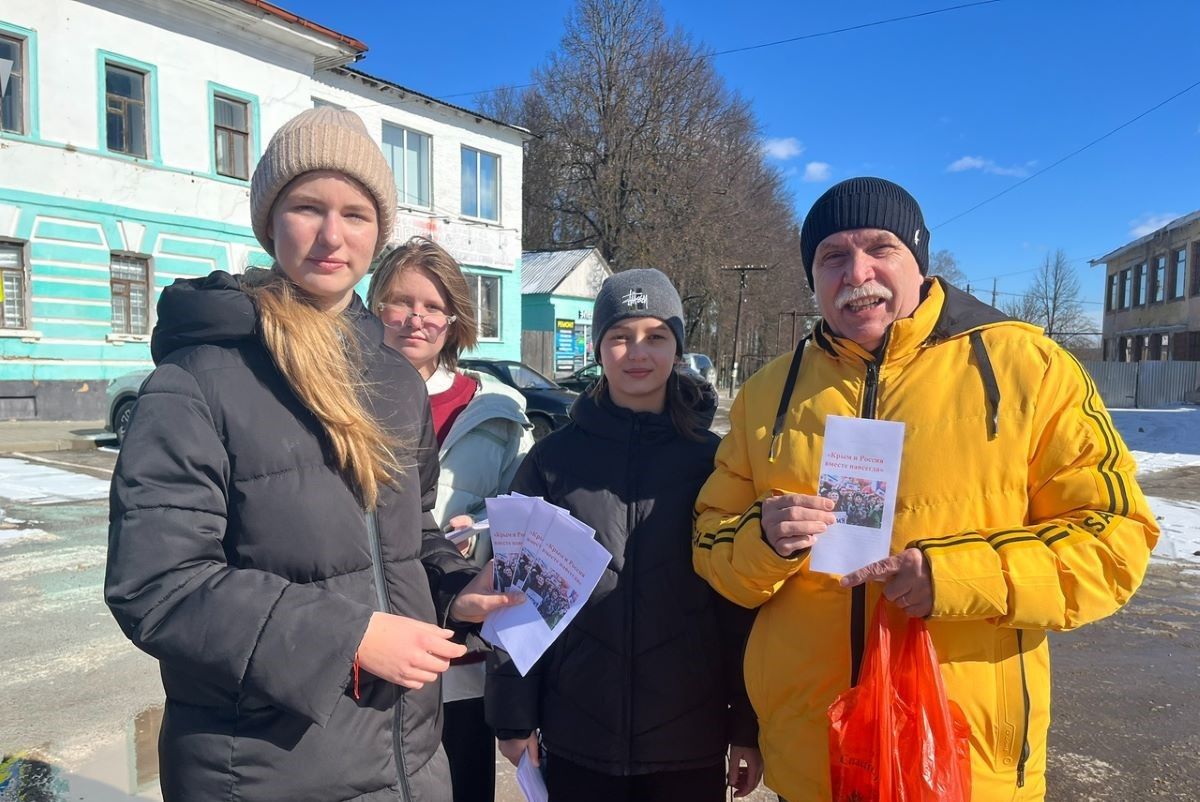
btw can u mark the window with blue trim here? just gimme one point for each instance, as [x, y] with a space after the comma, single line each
[12, 104]
[231, 136]
[125, 110]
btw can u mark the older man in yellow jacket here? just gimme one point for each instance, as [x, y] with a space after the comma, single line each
[1017, 511]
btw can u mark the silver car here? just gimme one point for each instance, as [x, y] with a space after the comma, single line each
[702, 366]
[122, 395]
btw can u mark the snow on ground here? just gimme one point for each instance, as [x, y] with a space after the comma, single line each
[41, 484]
[1180, 522]
[1160, 438]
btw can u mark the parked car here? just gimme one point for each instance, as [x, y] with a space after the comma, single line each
[702, 366]
[581, 379]
[122, 394]
[546, 403]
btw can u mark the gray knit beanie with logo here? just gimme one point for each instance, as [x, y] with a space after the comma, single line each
[642, 292]
[865, 203]
[323, 138]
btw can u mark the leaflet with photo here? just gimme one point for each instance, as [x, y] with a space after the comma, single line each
[557, 569]
[860, 470]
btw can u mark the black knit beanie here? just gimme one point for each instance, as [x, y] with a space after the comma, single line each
[865, 203]
[642, 292]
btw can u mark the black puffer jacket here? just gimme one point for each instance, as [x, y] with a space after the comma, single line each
[648, 676]
[242, 561]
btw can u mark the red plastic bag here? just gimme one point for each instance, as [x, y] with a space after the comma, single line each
[896, 737]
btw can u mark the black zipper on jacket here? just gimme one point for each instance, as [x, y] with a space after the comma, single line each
[858, 596]
[635, 437]
[1025, 700]
[382, 602]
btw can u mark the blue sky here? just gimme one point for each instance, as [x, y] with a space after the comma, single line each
[955, 106]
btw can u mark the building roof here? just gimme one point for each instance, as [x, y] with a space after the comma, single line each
[309, 25]
[1178, 222]
[384, 83]
[543, 271]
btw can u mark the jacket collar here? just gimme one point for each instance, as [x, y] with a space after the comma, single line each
[944, 312]
[491, 402]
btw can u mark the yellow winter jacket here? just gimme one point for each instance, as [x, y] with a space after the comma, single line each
[1015, 485]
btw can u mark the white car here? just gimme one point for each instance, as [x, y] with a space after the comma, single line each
[702, 366]
[122, 394]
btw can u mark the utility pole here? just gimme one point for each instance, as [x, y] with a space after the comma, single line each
[993, 292]
[737, 322]
[778, 331]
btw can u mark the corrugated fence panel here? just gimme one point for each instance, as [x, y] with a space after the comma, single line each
[1145, 385]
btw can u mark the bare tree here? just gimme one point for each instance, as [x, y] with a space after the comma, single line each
[1052, 302]
[942, 263]
[641, 151]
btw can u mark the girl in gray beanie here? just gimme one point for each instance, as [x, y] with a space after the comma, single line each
[266, 541]
[641, 698]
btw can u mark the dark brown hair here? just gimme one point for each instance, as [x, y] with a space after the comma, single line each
[683, 402]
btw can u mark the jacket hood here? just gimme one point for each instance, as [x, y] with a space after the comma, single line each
[604, 418]
[216, 310]
[494, 400]
[194, 311]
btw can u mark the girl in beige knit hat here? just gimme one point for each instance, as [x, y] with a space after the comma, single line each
[270, 539]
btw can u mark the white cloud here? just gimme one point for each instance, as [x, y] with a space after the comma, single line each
[782, 148]
[1150, 222]
[817, 171]
[988, 166]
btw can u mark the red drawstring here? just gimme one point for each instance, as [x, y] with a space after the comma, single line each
[357, 696]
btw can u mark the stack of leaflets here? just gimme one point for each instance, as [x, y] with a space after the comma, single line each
[549, 556]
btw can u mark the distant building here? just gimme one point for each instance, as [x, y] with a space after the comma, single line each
[558, 290]
[1152, 295]
[128, 136]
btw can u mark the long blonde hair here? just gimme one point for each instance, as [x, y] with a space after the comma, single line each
[319, 356]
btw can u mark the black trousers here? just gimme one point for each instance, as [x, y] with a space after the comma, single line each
[471, 750]
[570, 782]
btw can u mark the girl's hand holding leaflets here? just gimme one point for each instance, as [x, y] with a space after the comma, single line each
[406, 651]
[479, 598]
[513, 748]
[462, 522]
[792, 522]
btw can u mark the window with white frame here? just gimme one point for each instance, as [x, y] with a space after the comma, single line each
[14, 281]
[1126, 289]
[480, 184]
[407, 153]
[12, 105]
[130, 283]
[125, 110]
[231, 136]
[485, 294]
[1110, 301]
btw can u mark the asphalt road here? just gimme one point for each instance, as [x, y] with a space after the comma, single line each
[76, 695]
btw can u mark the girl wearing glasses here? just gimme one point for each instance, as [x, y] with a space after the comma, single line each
[265, 538]
[421, 295]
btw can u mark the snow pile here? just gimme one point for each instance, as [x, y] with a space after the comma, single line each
[1180, 522]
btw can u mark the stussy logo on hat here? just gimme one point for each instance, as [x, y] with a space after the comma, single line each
[917, 237]
[636, 299]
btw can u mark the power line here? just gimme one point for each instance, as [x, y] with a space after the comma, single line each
[776, 43]
[1070, 155]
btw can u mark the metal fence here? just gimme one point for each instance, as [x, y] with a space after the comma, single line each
[1146, 385]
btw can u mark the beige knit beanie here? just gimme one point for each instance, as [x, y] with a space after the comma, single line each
[323, 138]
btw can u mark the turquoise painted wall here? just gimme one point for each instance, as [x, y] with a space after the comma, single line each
[69, 252]
[540, 311]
